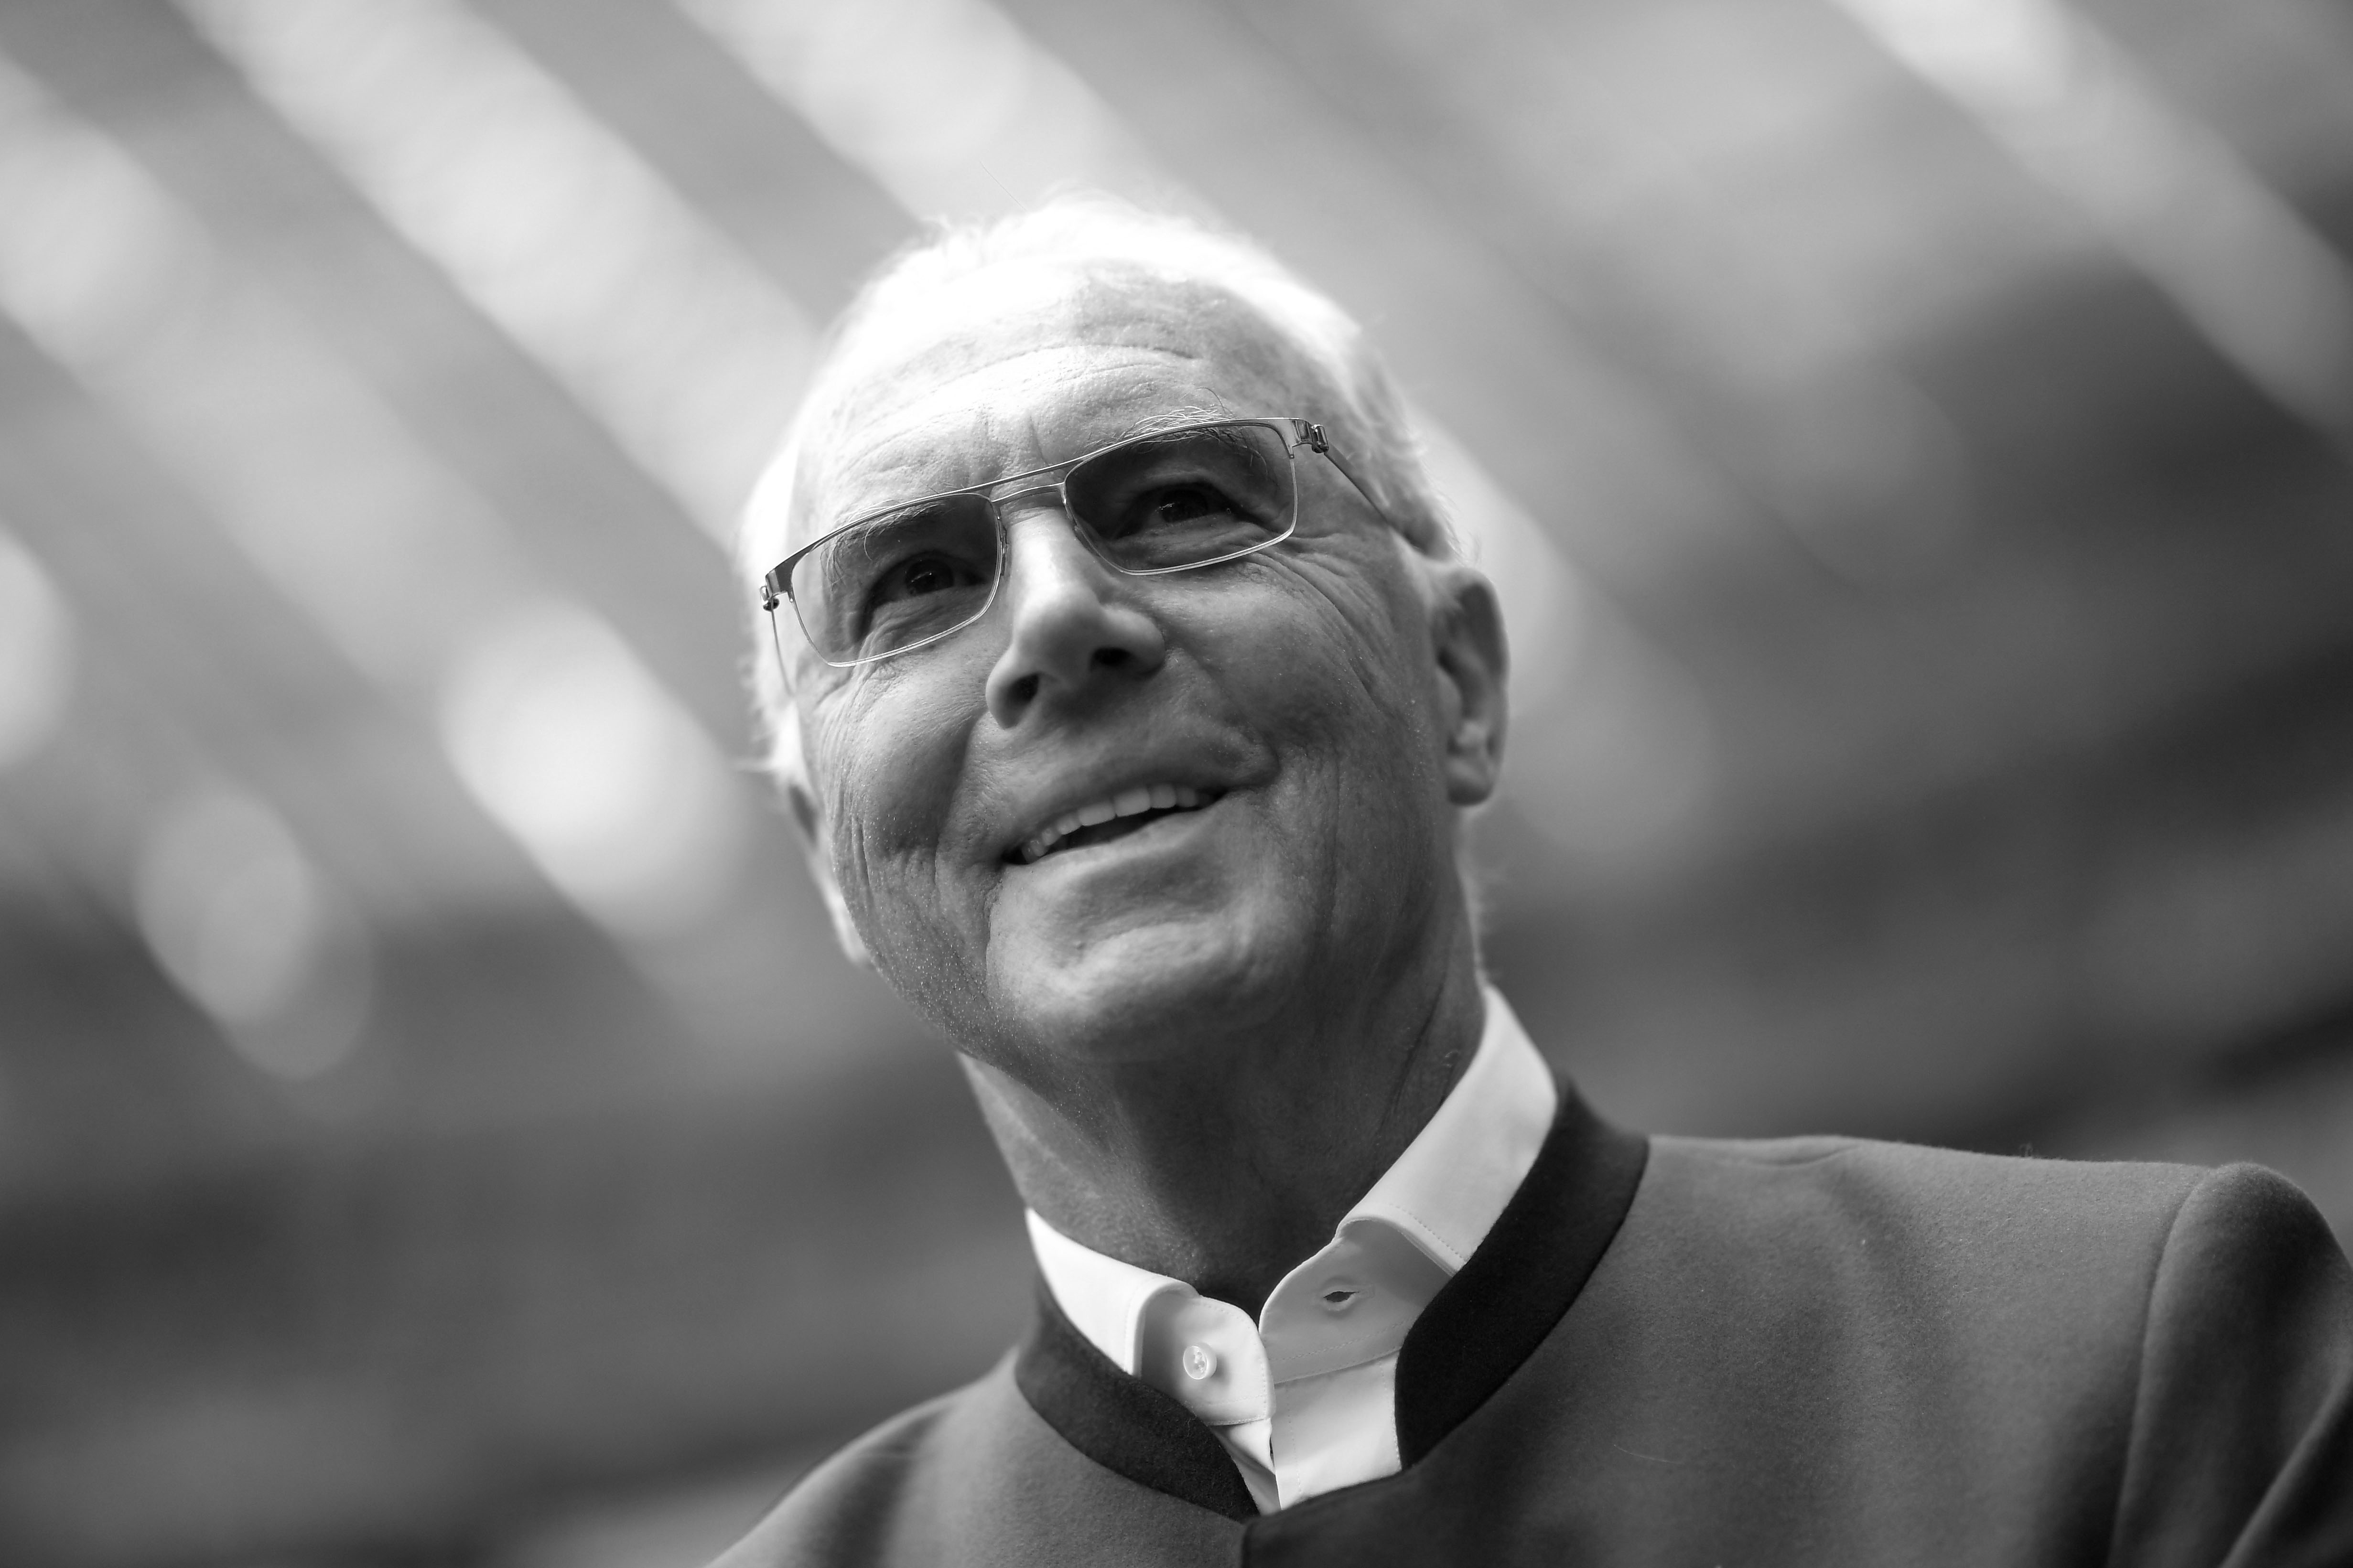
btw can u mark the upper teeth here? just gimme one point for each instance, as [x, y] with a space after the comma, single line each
[1126, 803]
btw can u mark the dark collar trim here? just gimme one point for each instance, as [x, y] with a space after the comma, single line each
[1123, 1423]
[1475, 1332]
[1491, 1317]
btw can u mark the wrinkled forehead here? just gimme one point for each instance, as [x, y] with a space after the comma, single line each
[1023, 365]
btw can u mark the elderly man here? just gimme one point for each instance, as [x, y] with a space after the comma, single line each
[1130, 695]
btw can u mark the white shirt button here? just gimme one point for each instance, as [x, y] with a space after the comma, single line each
[1199, 1362]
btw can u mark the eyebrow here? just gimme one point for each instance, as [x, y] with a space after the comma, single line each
[1170, 419]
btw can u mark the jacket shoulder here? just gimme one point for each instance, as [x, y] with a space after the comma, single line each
[1970, 1201]
[875, 1497]
[1986, 1262]
[2242, 1442]
[2047, 1358]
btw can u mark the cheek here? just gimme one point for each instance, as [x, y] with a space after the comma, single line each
[890, 766]
[1343, 663]
[1337, 688]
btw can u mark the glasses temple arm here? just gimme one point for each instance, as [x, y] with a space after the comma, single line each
[1312, 436]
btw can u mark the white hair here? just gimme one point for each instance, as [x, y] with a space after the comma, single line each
[900, 307]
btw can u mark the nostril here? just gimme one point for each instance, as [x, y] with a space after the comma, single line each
[1023, 689]
[1113, 658]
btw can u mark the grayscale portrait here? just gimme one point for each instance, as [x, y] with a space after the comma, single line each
[856, 784]
[1131, 692]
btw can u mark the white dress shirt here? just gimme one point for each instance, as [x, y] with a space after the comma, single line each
[1306, 1398]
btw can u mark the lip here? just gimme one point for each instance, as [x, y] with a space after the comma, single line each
[1139, 807]
[1034, 815]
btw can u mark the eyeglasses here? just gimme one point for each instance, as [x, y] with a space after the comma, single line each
[892, 581]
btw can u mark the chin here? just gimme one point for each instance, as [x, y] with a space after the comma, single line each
[1147, 991]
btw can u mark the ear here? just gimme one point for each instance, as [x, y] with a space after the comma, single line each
[790, 767]
[1466, 634]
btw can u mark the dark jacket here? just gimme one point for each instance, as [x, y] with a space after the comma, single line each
[1682, 1352]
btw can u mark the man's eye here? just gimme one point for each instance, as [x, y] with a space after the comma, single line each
[1176, 504]
[924, 575]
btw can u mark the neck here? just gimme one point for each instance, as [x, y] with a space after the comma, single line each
[1226, 1163]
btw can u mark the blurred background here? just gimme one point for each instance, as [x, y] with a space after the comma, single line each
[436, 1129]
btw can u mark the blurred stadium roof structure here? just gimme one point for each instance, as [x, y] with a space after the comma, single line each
[1912, 436]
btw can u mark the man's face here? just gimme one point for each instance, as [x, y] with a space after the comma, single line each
[1293, 697]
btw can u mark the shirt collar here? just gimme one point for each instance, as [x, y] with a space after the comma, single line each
[1442, 1194]
[1455, 1177]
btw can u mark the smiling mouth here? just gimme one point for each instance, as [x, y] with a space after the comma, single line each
[1115, 816]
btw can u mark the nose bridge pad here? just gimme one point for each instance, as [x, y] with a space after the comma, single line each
[1016, 504]
[1012, 508]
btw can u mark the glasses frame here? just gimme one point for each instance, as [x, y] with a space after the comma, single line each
[776, 586]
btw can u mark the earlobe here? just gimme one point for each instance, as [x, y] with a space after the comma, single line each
[1467, 637]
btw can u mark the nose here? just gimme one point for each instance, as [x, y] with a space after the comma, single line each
[1073, 622]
